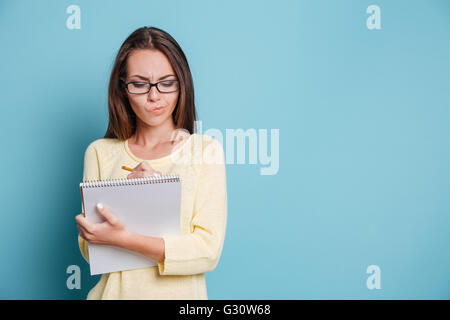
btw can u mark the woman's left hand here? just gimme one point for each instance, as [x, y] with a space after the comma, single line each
[111, 232]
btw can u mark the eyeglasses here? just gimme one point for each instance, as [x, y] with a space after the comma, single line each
[140, 87]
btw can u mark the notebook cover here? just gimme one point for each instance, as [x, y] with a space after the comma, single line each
[151, 209]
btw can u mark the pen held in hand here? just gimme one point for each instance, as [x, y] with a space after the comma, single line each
[156, 174]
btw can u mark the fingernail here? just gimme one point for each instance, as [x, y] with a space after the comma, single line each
[100, 206]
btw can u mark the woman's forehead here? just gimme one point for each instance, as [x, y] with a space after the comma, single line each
[151, 64]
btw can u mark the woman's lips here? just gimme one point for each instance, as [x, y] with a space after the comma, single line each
[157, 110]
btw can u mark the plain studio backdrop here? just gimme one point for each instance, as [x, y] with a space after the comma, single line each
[362, 184]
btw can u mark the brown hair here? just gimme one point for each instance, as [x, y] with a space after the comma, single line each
[122, 119]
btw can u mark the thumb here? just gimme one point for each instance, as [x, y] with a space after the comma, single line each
[106, 213]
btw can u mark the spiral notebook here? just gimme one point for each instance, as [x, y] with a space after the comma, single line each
[149, 206]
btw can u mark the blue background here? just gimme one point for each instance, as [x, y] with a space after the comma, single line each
[364, 140]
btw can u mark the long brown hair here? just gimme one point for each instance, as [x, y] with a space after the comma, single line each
[122, 119]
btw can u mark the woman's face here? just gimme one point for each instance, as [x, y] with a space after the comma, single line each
[151, 66]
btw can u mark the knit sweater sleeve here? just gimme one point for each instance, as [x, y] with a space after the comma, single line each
[90, 172]
[199, 250]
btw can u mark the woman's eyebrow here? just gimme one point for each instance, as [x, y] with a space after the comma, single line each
[144, 78]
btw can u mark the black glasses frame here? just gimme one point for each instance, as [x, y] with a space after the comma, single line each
[151, 85]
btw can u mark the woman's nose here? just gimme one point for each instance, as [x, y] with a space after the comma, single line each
[153, 94]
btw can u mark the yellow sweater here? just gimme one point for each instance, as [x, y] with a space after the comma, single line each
[200, 162]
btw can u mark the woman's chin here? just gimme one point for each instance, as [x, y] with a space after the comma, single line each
[154, 121]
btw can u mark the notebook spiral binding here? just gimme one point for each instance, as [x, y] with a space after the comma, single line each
[127, 182]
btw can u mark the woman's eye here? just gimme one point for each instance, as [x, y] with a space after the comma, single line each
[167, 84]
[138, 85]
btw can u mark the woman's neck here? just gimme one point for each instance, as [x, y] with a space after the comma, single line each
[149, 136]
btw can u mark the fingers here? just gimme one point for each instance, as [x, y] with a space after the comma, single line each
[140, 174]
[88, 230]
[143, 169]
[106, 213]
[83, 233]
[85, 223]
[143, 174]
[143, 166]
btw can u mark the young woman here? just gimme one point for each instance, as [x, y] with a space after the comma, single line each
[151, 129]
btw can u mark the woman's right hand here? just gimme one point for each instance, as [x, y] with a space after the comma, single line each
[79, 227]
[143, 169]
